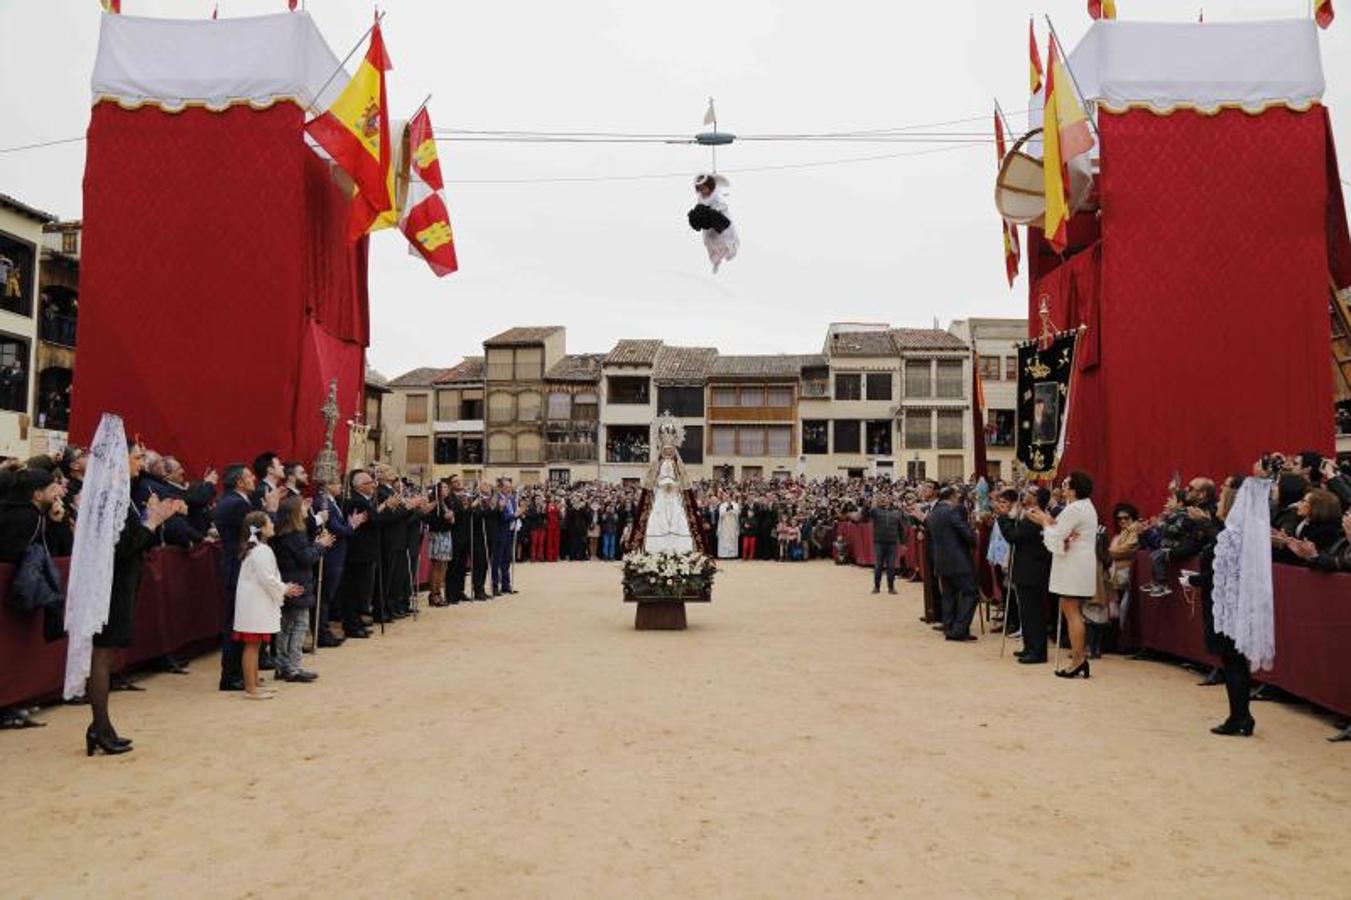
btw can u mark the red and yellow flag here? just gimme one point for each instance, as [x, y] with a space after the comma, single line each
[1036, 71]
[1102, 9]
[355, 132]
[426, 221]
[1012, 252]
[1065, 135]
[1323, 13]
[112, 7]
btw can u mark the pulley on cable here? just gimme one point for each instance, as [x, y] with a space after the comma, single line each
[709, 214]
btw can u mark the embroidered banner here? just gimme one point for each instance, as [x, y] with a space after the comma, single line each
[1043, 401]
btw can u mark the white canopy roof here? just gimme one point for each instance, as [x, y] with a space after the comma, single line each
[175, 63]
[1205, 66]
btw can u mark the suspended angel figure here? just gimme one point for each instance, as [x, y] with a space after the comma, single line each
[710, 217]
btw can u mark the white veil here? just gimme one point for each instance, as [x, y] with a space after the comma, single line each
[104, 501]
[1242, 592]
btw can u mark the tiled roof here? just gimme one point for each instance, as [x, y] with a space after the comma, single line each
[531, 334]
[417, 378]
[24, 209]
[684, 363]
[862, 343]
[633, 353]
[777, 365]
[576, 367]
[927, 339]
[469, 371]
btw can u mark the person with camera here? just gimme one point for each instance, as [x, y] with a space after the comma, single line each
[1029, 567]
[1184, 530]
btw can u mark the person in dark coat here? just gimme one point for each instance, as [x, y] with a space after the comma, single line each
[235, 503]
[953, 543]
[480, 546]
[766, 520]
[1029, 569]
[297, 555]
[337, 524]
[888, 533]
[363, 555]
[190, 529]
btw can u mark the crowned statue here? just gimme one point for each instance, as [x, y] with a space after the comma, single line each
[667, 520]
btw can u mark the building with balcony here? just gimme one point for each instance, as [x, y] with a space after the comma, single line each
[21, 242]
[995, 342]
[58, 312]
[572, 418]
[515, 363]
[935, 403]
[458, 420]
[404, 434]
[628, 406]
[849, 424]
[753, 415]
[680, 375]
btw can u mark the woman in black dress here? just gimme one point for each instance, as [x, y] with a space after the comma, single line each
[136, 539]
[1237, 673]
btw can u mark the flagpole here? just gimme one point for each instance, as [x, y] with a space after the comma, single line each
[1092, 119]
[1000, 109]
[379, 17]
[421, 106]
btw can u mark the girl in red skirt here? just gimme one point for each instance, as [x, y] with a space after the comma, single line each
[258, 599]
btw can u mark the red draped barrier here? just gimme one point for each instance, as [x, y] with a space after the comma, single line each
[181, 603]
[1313, 630]
[859, 536]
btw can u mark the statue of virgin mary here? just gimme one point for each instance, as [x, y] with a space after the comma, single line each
[667, 520]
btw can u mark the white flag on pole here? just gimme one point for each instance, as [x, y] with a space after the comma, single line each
[710, 115]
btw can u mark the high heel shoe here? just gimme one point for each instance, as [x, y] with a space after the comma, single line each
[1243, 728]
[93, 740]
[1081, 669]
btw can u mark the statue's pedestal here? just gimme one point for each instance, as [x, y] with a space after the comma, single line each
[658, 613]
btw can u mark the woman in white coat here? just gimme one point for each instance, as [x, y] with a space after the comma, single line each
[1072, 539]
[729, 529]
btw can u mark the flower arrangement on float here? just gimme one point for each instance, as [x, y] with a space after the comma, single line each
[668, 574]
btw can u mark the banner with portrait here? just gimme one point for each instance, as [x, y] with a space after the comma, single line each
[1044, 382]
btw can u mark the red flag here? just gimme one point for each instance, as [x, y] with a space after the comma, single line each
[978, 415]
[1012, 252]
[112, 7]
[422, 147]
[1036, 71]
[1102, 9]
[291, 4]
[1323, 13]
[427, 227]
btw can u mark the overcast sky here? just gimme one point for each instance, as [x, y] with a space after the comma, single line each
[903, 240]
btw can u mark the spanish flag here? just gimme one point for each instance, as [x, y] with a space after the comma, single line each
[1323, 13]
[426, 221]
[1036, 71]
[1065, 135]
[355, 132]
[1102, 9]
[1012, 252]
[112, 7]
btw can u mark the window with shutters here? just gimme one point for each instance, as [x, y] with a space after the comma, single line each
[951, 427]
[919, 430]
[1011, 368]
[779, 440]
[560, 407]
[415, 409]
[951, 383]
[447, 406]
[500, 448]
[528, 407]
[950, 468]
[416, 452]
[847, 436]
[879, 385]
[724, 440]
[724, 396]
[750, 440]
[918, 378]
[751, 397]
[501, 407]
[990, 368]
[779, 397]
[529, 363]
[500, 364]
[529, 449]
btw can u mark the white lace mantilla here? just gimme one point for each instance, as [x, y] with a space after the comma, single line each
[1243, 596]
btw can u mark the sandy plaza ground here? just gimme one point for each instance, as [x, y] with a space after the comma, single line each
[802, 739]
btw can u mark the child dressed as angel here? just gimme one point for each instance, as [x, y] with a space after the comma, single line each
[710, 217]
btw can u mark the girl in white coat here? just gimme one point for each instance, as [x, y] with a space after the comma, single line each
[258, 599]
[1072, 539]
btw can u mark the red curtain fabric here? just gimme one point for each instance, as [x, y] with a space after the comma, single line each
[181, 604]
[210, 251]
[1339, 238]
[1211, 298]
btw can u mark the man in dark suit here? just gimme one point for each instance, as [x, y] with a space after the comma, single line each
[480, 548]
[190, 529]
[363, 555]
[459, 542]
[953, 544]
[335, 560]
[239, 484]
[1030, 569]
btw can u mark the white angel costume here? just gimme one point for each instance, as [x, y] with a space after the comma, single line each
[721, 245]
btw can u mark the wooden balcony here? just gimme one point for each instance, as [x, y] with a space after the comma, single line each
[752, 414]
